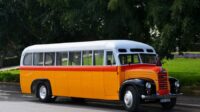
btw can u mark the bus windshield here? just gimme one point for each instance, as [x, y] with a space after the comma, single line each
[129, 59]
[148, 58]
[134, 58]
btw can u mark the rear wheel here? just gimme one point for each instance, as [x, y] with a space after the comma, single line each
[131, 99]
[169, 105]
[44, 92]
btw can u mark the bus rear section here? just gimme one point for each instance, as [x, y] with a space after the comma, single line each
[79, 74]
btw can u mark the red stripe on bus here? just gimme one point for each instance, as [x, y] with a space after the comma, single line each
[71, 68]
[141, 66]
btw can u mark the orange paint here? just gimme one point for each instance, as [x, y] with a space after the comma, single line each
[101, 82]
[96, 82]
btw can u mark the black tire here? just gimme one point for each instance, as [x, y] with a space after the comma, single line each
[53, 98]
[44, 92]
[169, 105]
[78, 100]
[129, 105]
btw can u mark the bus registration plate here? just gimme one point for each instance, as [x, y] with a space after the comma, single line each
[164, 100]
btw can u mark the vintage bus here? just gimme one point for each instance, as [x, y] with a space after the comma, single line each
[117, 70]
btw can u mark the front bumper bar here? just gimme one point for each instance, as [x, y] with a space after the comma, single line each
[153, 97]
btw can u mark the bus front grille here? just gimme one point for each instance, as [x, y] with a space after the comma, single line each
[163, 83]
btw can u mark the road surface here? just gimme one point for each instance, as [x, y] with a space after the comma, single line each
[14, 101]
[11, 100]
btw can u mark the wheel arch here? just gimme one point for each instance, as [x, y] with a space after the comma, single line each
[36, 83]
[138, 82]
[172, 81]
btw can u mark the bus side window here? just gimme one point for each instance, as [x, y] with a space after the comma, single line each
[49, 59]
[123, 60]
[110, 60]
[28, 59]
[136, 58]
[38, 59]
[62, 58]
[75, 58]
[98, 57]
[87, 58]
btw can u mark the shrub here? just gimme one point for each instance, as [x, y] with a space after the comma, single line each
[9, 76]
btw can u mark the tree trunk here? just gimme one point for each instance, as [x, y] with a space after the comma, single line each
[2, 54]
[1, 61]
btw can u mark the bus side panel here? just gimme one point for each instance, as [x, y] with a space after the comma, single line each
[98, 85]
[74, 85]
[59, 83]
[93, 84]
[25, 81]
[85, 84]
[28, 76]
[111, 85]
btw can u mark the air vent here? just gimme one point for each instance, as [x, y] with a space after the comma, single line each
[122, 50]
[137, 50]
[149, 50]
[162, 81]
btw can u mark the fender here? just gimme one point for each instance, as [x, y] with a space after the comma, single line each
[140, 83]
[35, 84]
[172, 81]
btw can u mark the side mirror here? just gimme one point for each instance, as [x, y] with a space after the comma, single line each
[158, 62]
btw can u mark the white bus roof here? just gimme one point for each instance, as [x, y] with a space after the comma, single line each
[89, 45]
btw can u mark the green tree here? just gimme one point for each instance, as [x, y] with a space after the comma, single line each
[165, 24]
[177, 21]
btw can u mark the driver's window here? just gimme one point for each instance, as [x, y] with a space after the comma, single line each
[110, 60]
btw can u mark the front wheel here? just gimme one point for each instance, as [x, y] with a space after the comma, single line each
[169, 105]
[131, 99]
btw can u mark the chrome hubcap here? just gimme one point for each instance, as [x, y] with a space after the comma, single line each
[128, 99]
[43, 92]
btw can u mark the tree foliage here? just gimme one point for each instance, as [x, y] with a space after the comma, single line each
[177, 21]
[165, 24]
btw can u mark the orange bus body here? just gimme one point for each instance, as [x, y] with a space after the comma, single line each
[117, 70]
[93, 82]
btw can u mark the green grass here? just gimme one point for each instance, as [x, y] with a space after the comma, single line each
[186, 70]
[194, 52]
[9, 76]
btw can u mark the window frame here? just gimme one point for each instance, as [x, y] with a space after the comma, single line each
[42, 58]
[138, 54]
[114, 57]
[92, 62]
[52, 58]
[81, 53]
[149, 54]
[93, 56]
[56, 55]
[80, 57]
[31, 59]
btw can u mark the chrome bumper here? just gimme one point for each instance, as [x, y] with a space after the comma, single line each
[154, 97]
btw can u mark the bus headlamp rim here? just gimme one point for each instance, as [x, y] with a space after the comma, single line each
[177, 84]
[148, 85]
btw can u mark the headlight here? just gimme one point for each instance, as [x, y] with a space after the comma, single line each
[148, 85]
[177, 84]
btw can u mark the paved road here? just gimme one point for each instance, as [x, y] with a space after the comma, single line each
[14, 101]
[11, 100]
